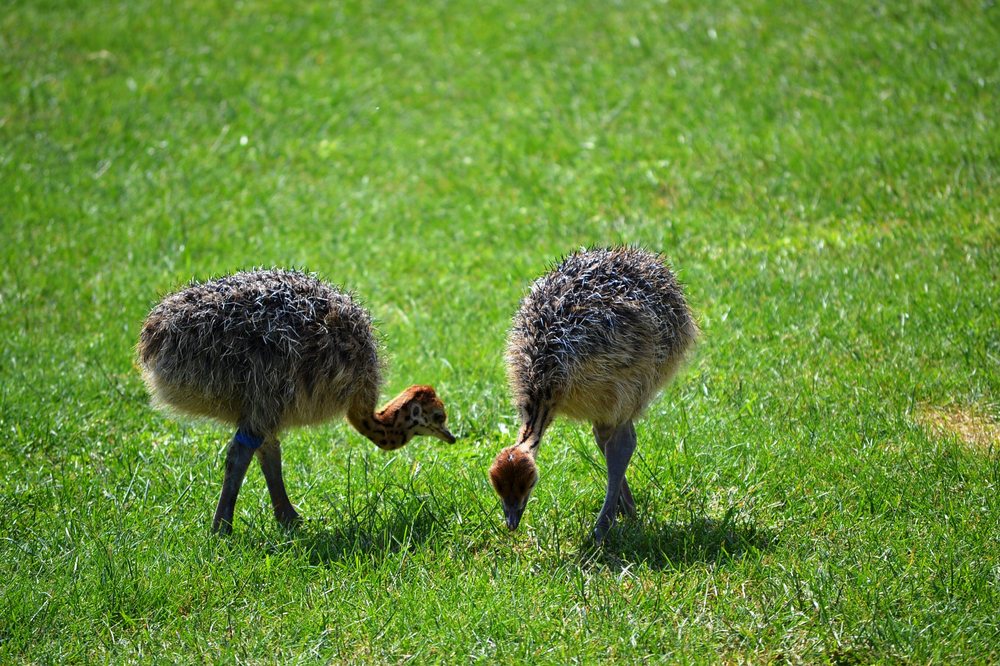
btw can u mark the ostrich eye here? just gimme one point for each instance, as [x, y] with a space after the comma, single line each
[414, 411]
[439, 418]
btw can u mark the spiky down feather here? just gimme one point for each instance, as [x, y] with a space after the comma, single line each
[264, 349]
[597, 336]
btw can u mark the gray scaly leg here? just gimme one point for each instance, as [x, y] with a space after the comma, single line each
[626, 504]
[269, 456]
[618, 451]
[237, 460]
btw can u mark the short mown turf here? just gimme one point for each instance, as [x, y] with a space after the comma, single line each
[820, 483]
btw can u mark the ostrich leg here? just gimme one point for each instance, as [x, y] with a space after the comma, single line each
[617, 452]
[269, 456]
[626, 504]
[237, 460]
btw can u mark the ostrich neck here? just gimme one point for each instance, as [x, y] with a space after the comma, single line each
[535, 418]
[379, 426]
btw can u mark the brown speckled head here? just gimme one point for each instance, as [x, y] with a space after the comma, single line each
[419, 411]
[513, 475]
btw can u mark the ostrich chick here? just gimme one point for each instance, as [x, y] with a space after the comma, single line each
[268, 350]
[594, 339]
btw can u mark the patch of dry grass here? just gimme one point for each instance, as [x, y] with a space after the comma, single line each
[969, 423]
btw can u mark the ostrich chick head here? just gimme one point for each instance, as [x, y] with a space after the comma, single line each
[418, 411]
[514, 475]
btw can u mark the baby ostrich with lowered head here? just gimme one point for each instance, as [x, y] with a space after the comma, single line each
[594, 339]
[268, 350]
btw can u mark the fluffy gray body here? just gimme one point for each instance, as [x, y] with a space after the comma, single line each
[594, 339]
[598, 336]
[263, 350]
[271, 349]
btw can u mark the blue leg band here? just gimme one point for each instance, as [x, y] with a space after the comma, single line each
[248, 440]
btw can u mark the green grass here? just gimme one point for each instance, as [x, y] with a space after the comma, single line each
[824, 177]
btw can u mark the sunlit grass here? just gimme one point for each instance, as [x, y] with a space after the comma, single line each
[823, 176]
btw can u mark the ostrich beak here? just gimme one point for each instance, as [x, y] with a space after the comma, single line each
[513, 515]
[443, 434]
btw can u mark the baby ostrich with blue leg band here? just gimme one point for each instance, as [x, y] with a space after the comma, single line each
[269, 350]
[595, 339]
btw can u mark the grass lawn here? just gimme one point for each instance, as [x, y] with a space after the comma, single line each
[821, 482]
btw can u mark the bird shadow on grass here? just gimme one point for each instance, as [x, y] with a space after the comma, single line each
[374, 533]
[677, 544]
